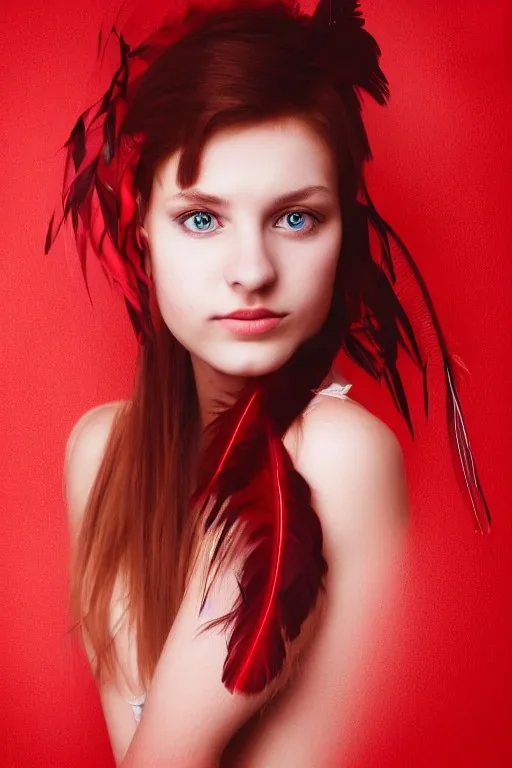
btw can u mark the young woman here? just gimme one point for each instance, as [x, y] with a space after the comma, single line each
[238, 525]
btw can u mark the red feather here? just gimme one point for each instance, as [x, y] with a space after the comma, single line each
[269, 503]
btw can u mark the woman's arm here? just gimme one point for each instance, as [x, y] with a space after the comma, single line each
[171, 732]
[354, 465]
[189, 716]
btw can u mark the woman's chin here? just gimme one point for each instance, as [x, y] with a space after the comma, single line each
[251, 367]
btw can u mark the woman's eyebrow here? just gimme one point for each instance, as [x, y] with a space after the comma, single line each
[196, 196]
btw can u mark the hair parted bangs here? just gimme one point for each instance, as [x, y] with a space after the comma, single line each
[239, 68]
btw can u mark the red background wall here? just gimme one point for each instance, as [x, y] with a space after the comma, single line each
[441, 177]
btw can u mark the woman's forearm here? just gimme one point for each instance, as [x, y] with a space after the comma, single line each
[144, 752]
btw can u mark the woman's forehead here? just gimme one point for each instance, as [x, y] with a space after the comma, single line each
[263, 160]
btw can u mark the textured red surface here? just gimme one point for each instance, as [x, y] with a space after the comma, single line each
[441, 177]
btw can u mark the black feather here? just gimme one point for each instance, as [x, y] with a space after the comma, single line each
[109, 136]
[80, 188]
[77, 141]
[49, 237]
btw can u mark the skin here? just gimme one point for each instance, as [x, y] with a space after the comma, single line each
[252, 252]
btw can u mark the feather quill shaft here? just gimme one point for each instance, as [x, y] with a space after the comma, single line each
[275, 573]
[269, 504]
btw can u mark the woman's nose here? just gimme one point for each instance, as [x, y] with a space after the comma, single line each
[251, 266]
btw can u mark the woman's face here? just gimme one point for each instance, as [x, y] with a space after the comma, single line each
[260, 230]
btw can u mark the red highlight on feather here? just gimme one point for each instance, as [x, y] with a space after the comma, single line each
[207, 491]
[276, 568]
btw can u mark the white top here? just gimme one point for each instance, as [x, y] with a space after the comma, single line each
[334, 389]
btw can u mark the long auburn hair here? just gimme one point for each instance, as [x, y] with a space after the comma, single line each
[226, 67]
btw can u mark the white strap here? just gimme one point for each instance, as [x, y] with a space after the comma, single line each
[333, 390]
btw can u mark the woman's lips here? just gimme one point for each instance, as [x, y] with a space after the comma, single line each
[250, 327]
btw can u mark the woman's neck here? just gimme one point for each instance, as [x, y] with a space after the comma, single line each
[213, 387]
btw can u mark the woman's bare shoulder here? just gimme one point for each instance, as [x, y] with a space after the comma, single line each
[85, 447]
[333, 423]
[342, 425]
[93, 423]
[354, 463]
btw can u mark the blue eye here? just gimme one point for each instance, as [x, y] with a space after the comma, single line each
[202, 222]
[295, 219]
[200, 219]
